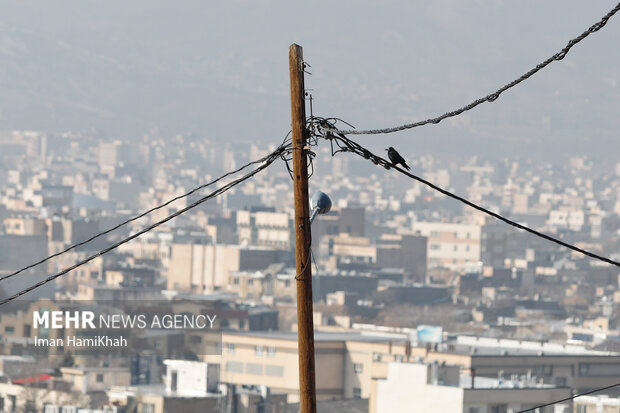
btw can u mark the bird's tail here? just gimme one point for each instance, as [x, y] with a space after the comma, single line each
[406, 166]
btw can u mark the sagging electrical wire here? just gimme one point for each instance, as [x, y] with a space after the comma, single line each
[493, 96]
[264, 163]
[340, 143]
[145, 213]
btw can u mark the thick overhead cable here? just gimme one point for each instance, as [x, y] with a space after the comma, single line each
[135, 218]
[343, 144]
[493, 96]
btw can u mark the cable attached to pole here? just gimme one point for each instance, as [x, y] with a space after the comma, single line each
[344, 144]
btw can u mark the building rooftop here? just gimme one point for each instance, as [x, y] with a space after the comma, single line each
[481, 383]
[487, 346]
[122, 392]
[321, 336]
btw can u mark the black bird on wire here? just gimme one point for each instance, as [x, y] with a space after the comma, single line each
[396, 158]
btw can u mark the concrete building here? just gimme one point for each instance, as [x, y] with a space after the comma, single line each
[12, 257]
[403, 251]
[442, 388]
[345, 362]
[408, 252]
[350, 221]
[24, 226]
[450, 245]
[191, 377]
[91, 379]
[41, 393]
[196, 386]
[416, 294]
[494, 244]
[596, 404]
[265, 229]
[105, 292]
[566, 218]
[200, 268]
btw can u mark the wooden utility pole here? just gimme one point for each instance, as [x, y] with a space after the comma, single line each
[305, 325]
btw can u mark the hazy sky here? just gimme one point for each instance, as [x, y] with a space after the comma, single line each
[220, 69]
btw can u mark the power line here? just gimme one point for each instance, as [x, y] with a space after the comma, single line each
[268, 160]
[142, 215]
[531, 409]
[493, 96]
[346, 145]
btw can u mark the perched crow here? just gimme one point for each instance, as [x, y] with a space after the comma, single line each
[396, 158]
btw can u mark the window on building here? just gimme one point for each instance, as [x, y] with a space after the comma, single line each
[434, 247]
[358, 367]
[174, 377]
[376, 356]
[99, 378]
[147, 408]
[234, 366]
[560, 381]
[456, 247]
[276, 371]
[12, 403]
[250, 282]
[9, 329]
[543, 371]
[259, 350]
[241, 324]
[236, 281]
[357, 393]
[271, 351]
[474, 410]
[499, 408]
[230, 348]
[287, 283]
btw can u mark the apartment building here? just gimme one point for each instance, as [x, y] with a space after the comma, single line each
[265, 229]
[389, 251]
[345, 362]
[450, 245]
[200, 267]
[573, 219]
[91, 379]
